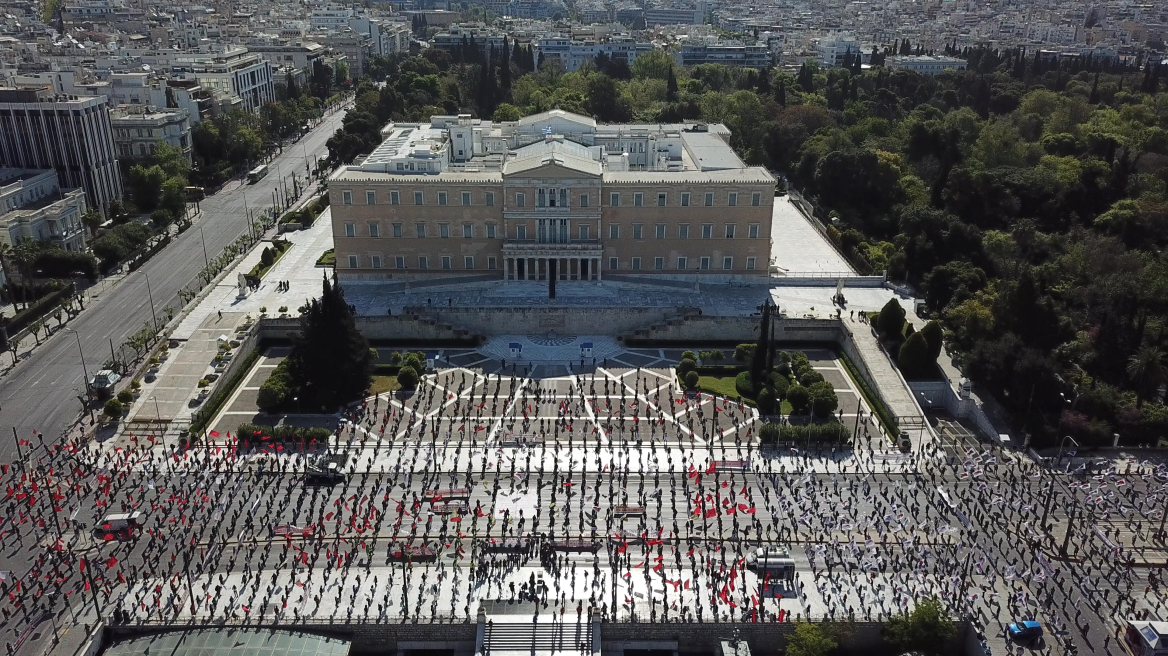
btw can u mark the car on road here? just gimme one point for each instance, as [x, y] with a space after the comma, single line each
[1024, 631]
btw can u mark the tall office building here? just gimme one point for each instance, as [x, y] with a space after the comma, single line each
[40, 129]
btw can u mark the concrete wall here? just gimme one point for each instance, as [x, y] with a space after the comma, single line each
[542, 320]
[403, 328]
[940, 394]
[705, 328]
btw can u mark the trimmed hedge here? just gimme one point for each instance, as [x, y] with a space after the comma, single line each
[743, 385]
[38, 309]
[823, 433]
[254, 433]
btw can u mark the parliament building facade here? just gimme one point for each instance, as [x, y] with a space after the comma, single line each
[551, 195]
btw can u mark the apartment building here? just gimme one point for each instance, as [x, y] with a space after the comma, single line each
[573, 54]
[925, 64]
[744, 56]
[138, 129]
[33, 206]
[554, 194]
[234, 71]
[69, 134]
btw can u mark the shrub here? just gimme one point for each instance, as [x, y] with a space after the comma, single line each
[691, 379]
[744, 385]
[252, 433]
[689, 355]
[396, 358]
[914, 357]
[780, 385]
[268, 257]
[891, 320]
[769, 433]
[113, 408]
[276, 389]
[933, 337]
[135, 385]
[687, 366]
[798, 397]
[826, 432]
[56, 262]
[408, 377]
[766, 401]
[744, 352]
[126, 397]
[784, 369]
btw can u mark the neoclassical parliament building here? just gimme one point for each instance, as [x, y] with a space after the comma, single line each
[551, 196]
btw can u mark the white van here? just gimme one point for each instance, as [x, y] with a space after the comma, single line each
[121, 522]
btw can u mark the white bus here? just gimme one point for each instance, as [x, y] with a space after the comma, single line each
[258, 172]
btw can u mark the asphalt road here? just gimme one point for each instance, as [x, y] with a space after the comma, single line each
[43, 392]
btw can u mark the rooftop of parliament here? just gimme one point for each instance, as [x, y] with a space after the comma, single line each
[553, 195]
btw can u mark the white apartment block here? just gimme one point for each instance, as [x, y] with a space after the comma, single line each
[33, 206]
[236, 72]
[574, 54]
[138, 129]
[70, 134]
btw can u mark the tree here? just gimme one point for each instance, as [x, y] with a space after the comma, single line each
[506, 112]
[766, 401]
[891, 321]
[113, 408]
[691, 379]
[758, 361]
[809, 639]
[145, 183]
[330, 360]
[1146, 370]
[822, 398]
[671, 87]
[407, 377]
[92, 220]
[926, 628]
[914, 357]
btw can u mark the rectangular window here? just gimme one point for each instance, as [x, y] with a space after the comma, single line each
[637, 230]
[399, 261]
[638, 200]
[614, 231]
[491, 263]
[683, 231]
[681, 264]
[370, 198]
[490, 199]
[468, 262]
[445, 261]
[521, 232]
[420, 230]
[347, 197]
[418, 198]
[729, 231]
[374, 229]
[685, 199]
[659, 263]
[752, 231]
[750, 264]
[520, 200]
[709, 199]
[397, 230]
[466, 198]
[727, 263]
[704, 263]
[707, 230]
[636, 264]
[584, 236]
[352, 261]
[612, 263]
[614, 200]
[423, 263]
[467, 231]
[350, 229]
[660, 228]
[376, 261]
[394, 198]
[444, 230]
[733, 199]
[583, 200]
[661, 199]
[756, 199]
[490, 231]
[441, 198]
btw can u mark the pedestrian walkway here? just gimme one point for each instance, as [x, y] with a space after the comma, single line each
[799, 248]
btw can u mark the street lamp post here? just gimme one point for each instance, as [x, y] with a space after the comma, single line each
[85, 372]
[150, 296]
[206, 260]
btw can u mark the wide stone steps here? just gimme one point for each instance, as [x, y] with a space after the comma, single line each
[537, 637]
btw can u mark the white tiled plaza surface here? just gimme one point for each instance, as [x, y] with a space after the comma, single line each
[797, 247]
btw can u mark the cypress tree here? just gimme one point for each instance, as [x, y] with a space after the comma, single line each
[764, 82]
[781, 93]
[505, 69]
[330, 361]
[759, 360]
[671, 87]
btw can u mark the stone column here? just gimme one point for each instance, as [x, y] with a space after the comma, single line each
[598, 260]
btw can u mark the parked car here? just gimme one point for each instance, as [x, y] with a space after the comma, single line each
[1024, 631]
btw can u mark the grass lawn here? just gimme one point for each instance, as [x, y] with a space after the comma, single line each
[329, 258]
[383, 384]
[724, 385]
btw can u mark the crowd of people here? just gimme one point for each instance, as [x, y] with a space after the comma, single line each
[629, 498]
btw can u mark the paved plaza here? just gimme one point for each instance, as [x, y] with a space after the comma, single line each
[605, 491]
